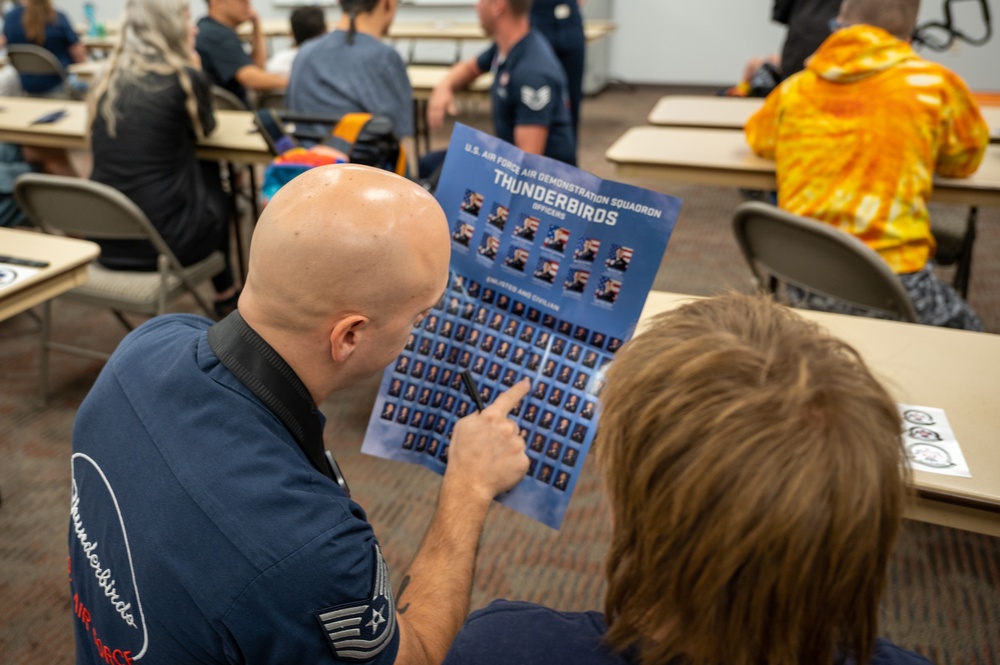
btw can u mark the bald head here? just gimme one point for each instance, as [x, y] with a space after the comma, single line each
[340, 241]
[345, 237]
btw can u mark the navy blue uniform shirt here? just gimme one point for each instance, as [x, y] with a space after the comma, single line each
[199, 531]
[529, 88]
[515, 632]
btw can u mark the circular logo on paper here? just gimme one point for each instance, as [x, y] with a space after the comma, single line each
[918, 417]
[924, 434]
[7, 276]
[930, 455]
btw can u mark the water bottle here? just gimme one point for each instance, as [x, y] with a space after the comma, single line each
[90, 15]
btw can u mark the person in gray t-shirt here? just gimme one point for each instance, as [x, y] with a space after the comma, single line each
[350, 70]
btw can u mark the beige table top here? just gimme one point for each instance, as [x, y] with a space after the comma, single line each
[423, 78]
[67, 269]
[235, 138]
[733, 112]
[936, 367]
[722, 157]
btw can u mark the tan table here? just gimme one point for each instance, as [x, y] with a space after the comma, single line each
[235, 138]
[936, 367]
[733, 112]
[423, 78]
[722, 157]
[67, 269]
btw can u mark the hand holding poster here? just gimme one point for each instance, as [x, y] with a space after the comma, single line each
[550, 269]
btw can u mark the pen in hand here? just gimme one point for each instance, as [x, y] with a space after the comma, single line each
[470, 387]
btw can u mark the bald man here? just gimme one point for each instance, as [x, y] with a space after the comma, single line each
[207, 523]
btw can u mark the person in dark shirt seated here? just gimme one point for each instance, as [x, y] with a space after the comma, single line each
[226, 63]
[148, 112]
[756, 482]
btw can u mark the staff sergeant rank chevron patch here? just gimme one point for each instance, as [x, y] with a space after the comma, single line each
[359, 631]
[534, 99]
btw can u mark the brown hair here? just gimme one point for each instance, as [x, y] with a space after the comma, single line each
[754, 468]
[897, 17]
[307, 21]
[519, 7]
[37, 14]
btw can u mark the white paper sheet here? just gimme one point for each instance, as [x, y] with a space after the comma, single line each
[930, 442]
[11, 274]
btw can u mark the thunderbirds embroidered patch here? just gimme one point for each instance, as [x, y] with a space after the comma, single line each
[361, 630]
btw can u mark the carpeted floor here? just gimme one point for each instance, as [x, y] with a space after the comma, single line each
[943, 598]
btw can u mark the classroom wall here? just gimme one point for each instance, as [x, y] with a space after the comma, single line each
[666, 41]
[669, 41]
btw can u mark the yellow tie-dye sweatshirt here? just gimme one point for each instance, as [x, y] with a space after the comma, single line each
[859, 134]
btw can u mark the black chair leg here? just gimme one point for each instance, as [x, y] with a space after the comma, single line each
[963, 271]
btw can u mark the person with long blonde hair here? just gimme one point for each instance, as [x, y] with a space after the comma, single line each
[38, 22]
[148, 111]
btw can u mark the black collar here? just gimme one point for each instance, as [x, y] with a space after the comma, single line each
[259, 367]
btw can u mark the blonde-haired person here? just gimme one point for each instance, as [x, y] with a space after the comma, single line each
[148, 111]
[755, 475]
[38, 22]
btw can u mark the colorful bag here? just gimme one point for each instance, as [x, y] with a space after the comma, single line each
[359, 138]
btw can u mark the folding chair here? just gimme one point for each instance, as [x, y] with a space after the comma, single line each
[33, 60]
[784, 248]
[76, 207]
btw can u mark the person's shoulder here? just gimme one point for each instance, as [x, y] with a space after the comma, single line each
[887, 653]
[536, 59]
[165, 327]
[317, 45]
[209, 28]
[923, 67]
[538, 46]
[519, 632]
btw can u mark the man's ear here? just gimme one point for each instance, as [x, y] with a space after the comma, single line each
[345, 336]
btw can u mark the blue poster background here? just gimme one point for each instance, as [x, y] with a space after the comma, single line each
[550, 269]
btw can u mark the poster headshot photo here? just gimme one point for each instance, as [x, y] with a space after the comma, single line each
[517, 258]
[463, 233]
[577, 281]
[526, 228]
[546, 270]
[497, 216]
[472, 202]
[556, 238]
[488, 247]
[618, 258]
[607, 290]
[586, 249]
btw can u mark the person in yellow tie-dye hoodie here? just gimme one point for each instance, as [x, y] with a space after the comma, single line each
[857, 138]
